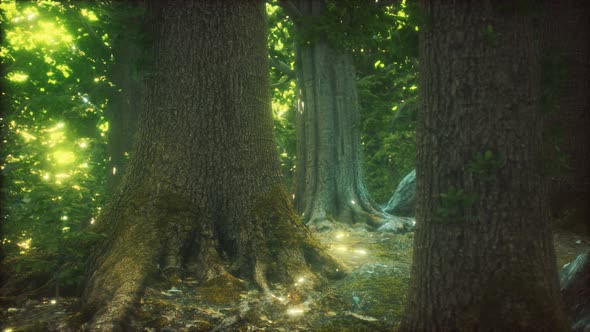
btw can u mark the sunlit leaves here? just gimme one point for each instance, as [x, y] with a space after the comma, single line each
[17, 77]
[63, 157]
[281, 48]
[52, 150]
[30, 35]
[89, 14]
[104, 126]
[387, 89]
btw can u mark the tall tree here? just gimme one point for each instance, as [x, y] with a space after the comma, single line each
[483, 251]
[202, 194]
[567, 84]
[329, 180]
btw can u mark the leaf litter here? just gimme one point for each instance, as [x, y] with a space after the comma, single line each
[371, 298]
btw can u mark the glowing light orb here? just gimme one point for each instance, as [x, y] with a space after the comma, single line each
[360, 251]
[295, 312]
[17, 77]
[63, 157]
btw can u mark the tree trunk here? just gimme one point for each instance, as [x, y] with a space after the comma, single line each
[202, 195]
[329, 181]
[567, 39]
[483, 251]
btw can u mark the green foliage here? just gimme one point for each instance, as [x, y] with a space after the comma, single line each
[486, 164]
[384, 41]
[388, 92]
[55, 89]
[454, 204]
[489, 34]
[56, 58]
[284, 97]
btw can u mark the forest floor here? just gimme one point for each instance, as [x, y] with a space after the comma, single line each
[371, 298]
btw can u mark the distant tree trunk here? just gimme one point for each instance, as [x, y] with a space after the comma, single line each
[202, 195]
[567, 38]
[329, 181]
[483, 251]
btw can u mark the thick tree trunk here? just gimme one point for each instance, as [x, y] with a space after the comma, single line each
[567, 39]
[202, 195]
[483, 251]
[329, 181]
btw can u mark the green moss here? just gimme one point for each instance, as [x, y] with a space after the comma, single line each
[273, 210]
[373, 291]
[399, 249]
[223, 290]
[273, 207]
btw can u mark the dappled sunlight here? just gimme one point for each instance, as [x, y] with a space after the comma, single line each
[373, 294]
[295, 311]
[44, 34]
[52, 149]
[17, 77]
[349, 245]
[89, 14]
[62, 157]
[24, 245]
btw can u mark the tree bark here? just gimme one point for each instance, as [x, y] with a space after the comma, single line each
[483, 251]
[202, 195]
[567, 42]
[329, 180]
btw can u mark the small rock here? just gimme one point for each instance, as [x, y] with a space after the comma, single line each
[398, 225]
[574, 289]
[30, 302]
[403, 201]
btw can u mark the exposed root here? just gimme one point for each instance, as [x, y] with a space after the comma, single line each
[320, 221]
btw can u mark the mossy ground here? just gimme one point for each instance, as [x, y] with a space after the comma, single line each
[371, 298]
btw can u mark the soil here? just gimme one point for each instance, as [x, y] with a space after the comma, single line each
[371, 298]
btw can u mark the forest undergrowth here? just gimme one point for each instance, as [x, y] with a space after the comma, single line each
[371, 298]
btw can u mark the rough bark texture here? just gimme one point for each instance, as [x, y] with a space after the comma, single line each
[483, 252]
[567, 41]
[202, 195]
[329, 177]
